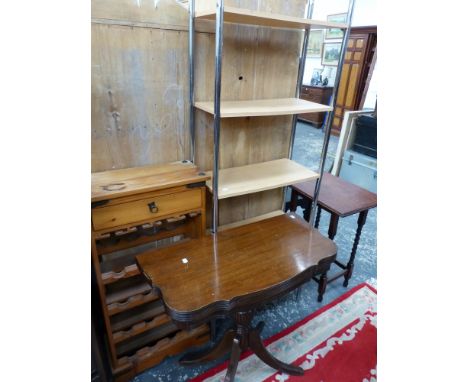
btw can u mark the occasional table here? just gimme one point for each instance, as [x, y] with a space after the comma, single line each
[232, 273]
[340, 198]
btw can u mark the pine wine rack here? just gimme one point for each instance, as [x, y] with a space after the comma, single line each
[135, 210]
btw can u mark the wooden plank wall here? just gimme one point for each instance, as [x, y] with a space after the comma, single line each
[139, 83]
[140, 89]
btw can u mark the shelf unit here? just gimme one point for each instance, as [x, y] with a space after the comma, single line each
[243, 180]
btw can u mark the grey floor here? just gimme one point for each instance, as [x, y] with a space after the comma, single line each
[286, 311]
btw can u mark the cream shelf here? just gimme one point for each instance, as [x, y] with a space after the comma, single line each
[258, 177]
[263, 107]
[247, 16]
[255, 219]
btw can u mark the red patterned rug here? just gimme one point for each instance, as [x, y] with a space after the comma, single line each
[337, 343]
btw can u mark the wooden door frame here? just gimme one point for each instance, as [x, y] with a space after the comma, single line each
[369, 33]
[369, 61]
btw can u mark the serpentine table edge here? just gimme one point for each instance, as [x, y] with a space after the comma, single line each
[236, 270]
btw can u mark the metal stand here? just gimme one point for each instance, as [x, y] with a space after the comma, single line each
[192, 78]
[217, 111]
[217, 99]
[331, 114]
[300, 74]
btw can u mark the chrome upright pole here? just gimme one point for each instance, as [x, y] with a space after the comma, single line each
[192, 79]
[217, 111]
[331, 114]
[300, 75]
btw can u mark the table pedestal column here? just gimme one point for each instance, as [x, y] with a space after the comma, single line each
[241, 338]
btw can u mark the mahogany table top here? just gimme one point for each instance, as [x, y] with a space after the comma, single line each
[218, 273]
[339, 196]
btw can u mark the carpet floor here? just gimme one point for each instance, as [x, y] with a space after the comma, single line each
[337, 343]
[288, 310]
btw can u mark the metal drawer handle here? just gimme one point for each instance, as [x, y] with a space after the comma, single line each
[153, 207]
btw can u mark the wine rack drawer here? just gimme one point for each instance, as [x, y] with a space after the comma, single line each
[146, 208]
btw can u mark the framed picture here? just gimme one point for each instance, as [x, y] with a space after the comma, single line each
[314, 49]
[338, 18]
[331, 53]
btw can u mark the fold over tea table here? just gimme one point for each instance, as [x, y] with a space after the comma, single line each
[230, 274]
